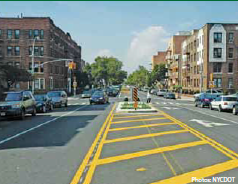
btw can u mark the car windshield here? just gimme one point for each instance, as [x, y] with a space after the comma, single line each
[54, 94]
[39, 97]
[98, 93]
[12, 97]
[229, 99]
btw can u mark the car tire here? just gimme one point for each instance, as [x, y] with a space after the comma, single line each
[196, 104]
[211, 108]
[33, 112]
[44, 109]
[22, 115]
[220, 109]
[234, 111]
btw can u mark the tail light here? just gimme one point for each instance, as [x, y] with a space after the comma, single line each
[206, 100]
[225, 103]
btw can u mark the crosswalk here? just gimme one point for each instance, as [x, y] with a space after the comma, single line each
[171, 103]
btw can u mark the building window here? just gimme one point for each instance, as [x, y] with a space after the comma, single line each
[36, 33]
[36, 67]
[0, 33]
[30, 66]
[42, 83]
[10, 63]
[37, 84]
[17, 51]
[17, 64]
[41, 51]
[217, 67]
[42, 67]
[230, 53]
[41, 34]
[217, 52]
[230, 83]
[51, 83]
[231, 37]
[218, 82]
[230, 68]
[9, 34]
[36, 51]
[30, 51]
[9, 51]
[0, 50]
[217, 37]
[17, 34]
[30, 34]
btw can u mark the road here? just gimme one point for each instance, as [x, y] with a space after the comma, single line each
[95, 144]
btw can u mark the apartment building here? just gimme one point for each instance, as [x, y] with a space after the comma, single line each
[53, 48]
[159, 58]
[173, 59]
[210, 58]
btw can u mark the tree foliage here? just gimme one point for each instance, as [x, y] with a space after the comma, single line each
[108, 69]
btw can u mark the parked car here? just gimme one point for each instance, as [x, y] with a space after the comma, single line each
[58, 98]
[204, 100]
[86, 94]
[224, 103]
[162, 92]
[17, 104]
[99, 97]
[153, 91]
[170, 95]
[43, 103]
[210, 91]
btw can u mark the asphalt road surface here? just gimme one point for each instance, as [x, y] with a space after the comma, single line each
[95, 144]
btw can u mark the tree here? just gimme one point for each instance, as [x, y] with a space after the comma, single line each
[140, 77]
[108, 69]
[14, 74]
[158, 73]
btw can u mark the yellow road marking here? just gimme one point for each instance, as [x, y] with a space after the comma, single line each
[144, 136]
[142, 126]
[148, 152]
[135, 120]
[93, 165]
[200, 173]
[80, 170]
[136, 116]
[141, 169]
[210, 141]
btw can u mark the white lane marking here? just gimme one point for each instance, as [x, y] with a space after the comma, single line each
[38, 126]
[157, 102]
[83, 103]
[164, 103]
[211, 115]
[169, 108]
[171, 103]
[76, 104]
[208, 123]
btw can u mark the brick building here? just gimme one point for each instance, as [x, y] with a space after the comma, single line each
[158, 59]
[51, 72]
[211, 50]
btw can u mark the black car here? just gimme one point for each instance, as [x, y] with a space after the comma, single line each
[17, 104]
[99, 97]
[204, 100]
[43, 103]
[170, 96]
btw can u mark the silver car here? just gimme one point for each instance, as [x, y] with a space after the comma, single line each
[58, 98]
[224, 103]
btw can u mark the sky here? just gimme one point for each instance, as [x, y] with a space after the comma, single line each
[131, 31]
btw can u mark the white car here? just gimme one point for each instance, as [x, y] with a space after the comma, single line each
[162, 92]
[224, 103]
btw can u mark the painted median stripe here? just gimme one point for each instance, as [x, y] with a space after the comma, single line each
[38, 126]
[144, 136]
[135, 120]
[141, 126]
[200, 173]
[148, 152]
[82, 167]
[137, 116]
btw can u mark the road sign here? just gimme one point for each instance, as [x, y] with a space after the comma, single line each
[75, 84]
[211, 84]
[135, 94]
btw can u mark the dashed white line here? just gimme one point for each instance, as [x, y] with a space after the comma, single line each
[38, 126]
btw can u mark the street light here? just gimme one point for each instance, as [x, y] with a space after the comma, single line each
[32, 62]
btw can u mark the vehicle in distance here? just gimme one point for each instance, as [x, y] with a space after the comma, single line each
[211, 91]
[161, 92]
[204, 100]
[99, 97]
[224, 103]
[86, 94]
[58, 98]
[17, 104]
[43, 103]
[170, 95]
